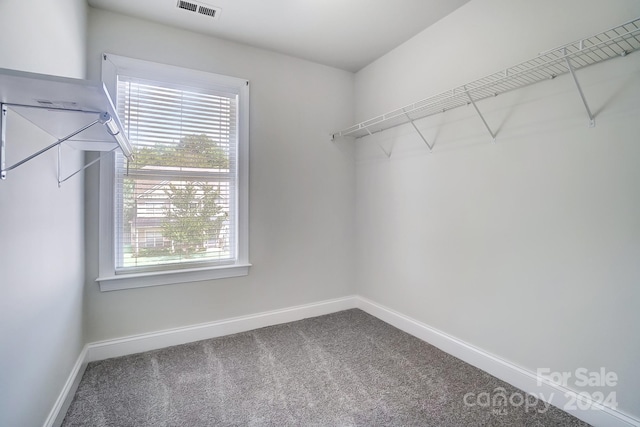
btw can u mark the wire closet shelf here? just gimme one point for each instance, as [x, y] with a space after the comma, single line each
[615, 42]
[68, 109]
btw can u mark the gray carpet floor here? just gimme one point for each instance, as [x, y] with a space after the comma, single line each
[342, 369]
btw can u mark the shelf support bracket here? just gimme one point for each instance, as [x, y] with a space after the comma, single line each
[91, 163]
[3, 137]
[592, 120]
[3, 171]
[380, 145]
[419, 133]
[486, 125]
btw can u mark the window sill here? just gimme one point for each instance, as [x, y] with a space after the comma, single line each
[159, 278]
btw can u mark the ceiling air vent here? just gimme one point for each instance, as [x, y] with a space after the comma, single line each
[209, 11]
[187, 6]
[202, 9]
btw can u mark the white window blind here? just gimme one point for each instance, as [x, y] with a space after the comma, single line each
[176, 202]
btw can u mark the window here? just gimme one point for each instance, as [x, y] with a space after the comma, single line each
[177, 212]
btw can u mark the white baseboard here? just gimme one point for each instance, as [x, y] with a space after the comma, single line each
[152, 341]
[502, 369]
[155, 340]
[59, 410]
[515, 375]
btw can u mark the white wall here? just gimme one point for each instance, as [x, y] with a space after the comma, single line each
[528, 248]
[41, 226]
[301, 184]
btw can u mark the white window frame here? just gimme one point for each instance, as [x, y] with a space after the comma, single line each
[112, 65]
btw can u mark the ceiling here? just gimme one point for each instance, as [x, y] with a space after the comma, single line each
[347, 34]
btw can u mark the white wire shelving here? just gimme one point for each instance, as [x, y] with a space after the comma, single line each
[615, 42]
[67, 109]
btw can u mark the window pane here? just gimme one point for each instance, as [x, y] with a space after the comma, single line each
[175, 203]
[175, 221]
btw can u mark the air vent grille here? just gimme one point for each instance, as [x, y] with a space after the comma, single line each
[207, 11]
[200, 8]
[187, 6]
